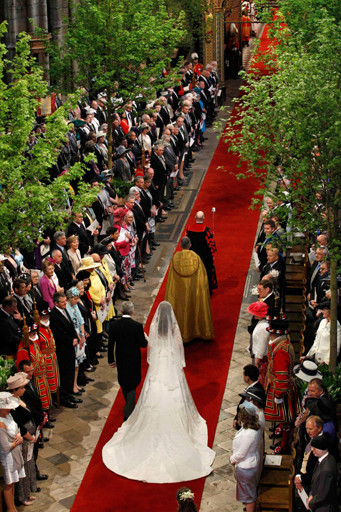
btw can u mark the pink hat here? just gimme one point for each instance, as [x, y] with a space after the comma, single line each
[258, 309]
[119, 213]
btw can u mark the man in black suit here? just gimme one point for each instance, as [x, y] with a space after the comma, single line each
[32, 400]
[63, 279]
[314, 276]
[9, 327]
[314, 427]
[128, 338]
[59, 239]
[323, 492]
[275, 262]
[77, 228]
[24, 303]
[66, 339]
[250, 376]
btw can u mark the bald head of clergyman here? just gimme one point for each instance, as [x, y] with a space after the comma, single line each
[199, 217]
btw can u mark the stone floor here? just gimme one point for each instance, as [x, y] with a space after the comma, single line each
[71, 443]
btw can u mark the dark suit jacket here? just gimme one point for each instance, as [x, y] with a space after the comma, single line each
[160, 171]
[146, 203]
[32, 400]
[10, 335]
[128, 337]
[63, 282]
[64, 333]
[324, 486]
[65, 264]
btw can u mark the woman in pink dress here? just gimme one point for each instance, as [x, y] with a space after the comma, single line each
[47, 286]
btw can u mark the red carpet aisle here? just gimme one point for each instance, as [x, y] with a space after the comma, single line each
[207, 362]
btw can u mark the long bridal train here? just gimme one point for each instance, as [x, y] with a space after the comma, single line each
[165, 438]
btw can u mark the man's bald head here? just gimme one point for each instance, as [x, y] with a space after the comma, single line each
[96, 257]
[199, 217]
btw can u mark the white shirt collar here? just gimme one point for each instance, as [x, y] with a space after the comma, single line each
[323, 457]
[126, 316]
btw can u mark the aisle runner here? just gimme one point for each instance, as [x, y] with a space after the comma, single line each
[207, 362]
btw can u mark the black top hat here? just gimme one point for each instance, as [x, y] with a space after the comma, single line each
[325, 304]
[321, 442]
[99, 249]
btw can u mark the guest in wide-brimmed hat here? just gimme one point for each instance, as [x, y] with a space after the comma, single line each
[11, 458]
[25, 420]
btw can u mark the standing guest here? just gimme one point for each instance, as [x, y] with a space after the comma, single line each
[203, 244]
[10, 263]
[122, 244]
[35, 292]
[314, 427]
[25, 421]
[60, 278]
[11, 458]
[126, 338]
[320, 351]
[25, 306]
[9, 327]
[5, 281]
[29, 349]
[78, 323]
[72, 243]
[77, 227]
[32, 400]
[185, 499]
[323, 495]
[250, 376]
[47, 286]
[88, 312]
[122, 168]
[66, 339]
[246, 458]
[259, 338]
[60, 243]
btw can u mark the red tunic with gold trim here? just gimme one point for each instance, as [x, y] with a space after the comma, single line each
[280, 382]
[39, 370]
[48, 348]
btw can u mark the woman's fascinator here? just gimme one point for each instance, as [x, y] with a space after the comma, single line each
[74, 292]
[250, 407]
[186, 495]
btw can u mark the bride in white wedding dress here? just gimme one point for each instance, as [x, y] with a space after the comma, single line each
[165, 438]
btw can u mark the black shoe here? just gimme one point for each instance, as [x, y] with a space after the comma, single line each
[66, 402]
[188, 166]
[48, 424]
[170, 203]
[89, 379]
[52, 419]
[76, 394]
[160, 219]
[90, 370]
[81, 390]
[156, 244]
[75, 400]
[99, 357]
[103, 349]
[191, 160]
[46, 439]
[40, 476]
[177, 188]
[38, 489]
[167, 208]
[104, 344]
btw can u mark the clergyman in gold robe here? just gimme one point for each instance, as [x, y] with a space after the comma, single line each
[188, 292]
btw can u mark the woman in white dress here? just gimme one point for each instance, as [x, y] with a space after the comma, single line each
[12, 461]
[165, 439]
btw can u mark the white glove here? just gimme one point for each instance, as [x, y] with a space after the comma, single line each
[278, 400]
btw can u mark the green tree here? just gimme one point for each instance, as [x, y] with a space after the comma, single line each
[26, 189]
[116, 46]
[290, 124]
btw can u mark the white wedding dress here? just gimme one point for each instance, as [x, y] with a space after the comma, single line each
[165, 438]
